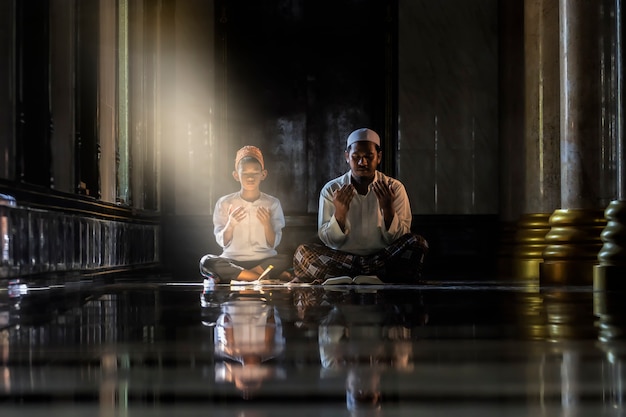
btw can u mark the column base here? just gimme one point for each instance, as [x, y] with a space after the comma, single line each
[573, 244]
[529, 245]
[566, 273]
[609, 277]
[527, 269]
[610, 274]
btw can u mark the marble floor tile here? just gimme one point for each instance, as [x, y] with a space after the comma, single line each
[152, 347]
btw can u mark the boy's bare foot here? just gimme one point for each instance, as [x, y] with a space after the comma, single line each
[248, 275]
[209, 277]
[211, 280]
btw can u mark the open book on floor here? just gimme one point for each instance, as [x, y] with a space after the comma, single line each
[358, 280]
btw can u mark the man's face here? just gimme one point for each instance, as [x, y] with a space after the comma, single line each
[363, 159]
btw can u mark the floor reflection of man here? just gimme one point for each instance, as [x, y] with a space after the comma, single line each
[248, 333]
[363, 391]
[361, 343]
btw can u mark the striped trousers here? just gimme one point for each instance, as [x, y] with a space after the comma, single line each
[400, 262]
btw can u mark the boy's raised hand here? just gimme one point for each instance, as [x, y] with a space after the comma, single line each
[264, 216]
[236, 215]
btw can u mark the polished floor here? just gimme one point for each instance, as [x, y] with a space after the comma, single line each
[139, 347]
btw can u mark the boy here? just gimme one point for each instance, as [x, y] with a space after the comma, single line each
[248, 226]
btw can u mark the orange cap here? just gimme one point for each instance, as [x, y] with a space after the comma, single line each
[249, 151]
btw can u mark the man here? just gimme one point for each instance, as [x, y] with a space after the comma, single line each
[364, 221]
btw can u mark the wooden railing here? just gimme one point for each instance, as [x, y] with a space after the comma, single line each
[44, 231]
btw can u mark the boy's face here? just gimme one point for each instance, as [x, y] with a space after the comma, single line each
[250, 175]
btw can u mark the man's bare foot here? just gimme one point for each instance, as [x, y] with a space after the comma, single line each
[286, 276]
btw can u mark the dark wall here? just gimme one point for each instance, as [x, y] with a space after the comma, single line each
[294, 78]
[299, 77]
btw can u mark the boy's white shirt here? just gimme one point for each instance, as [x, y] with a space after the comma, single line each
[248, 242]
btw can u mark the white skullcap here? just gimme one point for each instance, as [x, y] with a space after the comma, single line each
[363, 134]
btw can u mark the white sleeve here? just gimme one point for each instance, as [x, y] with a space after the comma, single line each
[328, 229]
[220, 219]
[401, 223]
[278, 221]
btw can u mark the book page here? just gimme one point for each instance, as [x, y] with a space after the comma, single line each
[342, 280]
[367, 279]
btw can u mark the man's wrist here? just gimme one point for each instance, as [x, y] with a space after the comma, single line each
[341, 222]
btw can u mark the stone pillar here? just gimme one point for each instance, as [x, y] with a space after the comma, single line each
[610, 272]
[541, 139]
[574, 236]
[511, 127]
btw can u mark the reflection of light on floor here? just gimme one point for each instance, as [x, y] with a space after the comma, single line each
[4, 355]
[183, 284]
[485, 344]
